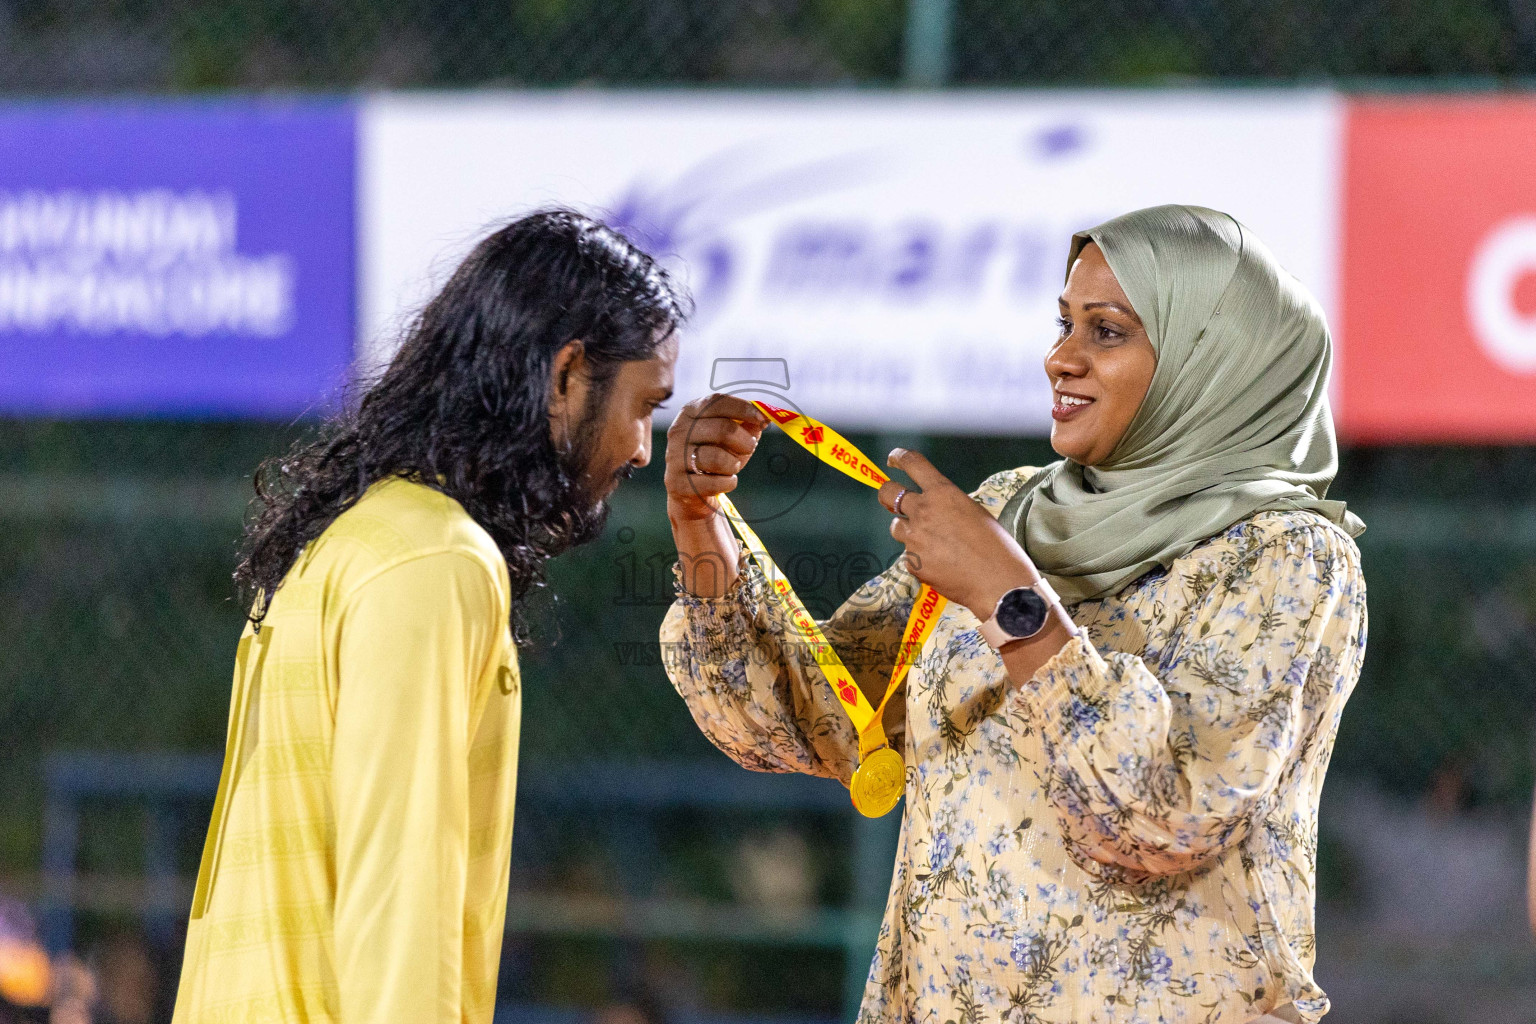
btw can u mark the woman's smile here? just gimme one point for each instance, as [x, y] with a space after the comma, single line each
[1067, 405]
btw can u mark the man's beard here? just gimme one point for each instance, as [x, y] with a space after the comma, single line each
[588, 510]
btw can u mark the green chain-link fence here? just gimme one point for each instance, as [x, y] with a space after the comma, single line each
[49, 46]
[116, 543]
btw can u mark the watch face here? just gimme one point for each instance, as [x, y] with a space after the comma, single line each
[1022, 612]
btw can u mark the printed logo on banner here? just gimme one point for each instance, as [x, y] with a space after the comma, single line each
[175, 258]
[153, 262]
[690, 220]
[1439, 270]
[743, 238]
[901, 255]
[1501, 294]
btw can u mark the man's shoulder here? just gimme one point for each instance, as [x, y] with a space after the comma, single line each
[398, 520]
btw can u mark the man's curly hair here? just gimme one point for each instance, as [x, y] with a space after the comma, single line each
[463, 406]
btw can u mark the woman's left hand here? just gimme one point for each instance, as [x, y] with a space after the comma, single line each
[953, 544]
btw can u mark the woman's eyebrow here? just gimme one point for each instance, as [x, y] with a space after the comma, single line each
[1115, 306]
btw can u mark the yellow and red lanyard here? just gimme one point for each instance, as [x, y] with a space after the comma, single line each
[880, 778]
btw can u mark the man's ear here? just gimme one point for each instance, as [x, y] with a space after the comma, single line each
[567, 387]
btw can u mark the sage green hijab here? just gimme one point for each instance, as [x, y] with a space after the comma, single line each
[1236, 420]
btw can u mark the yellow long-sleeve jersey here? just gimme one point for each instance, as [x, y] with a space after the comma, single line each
[356, 866]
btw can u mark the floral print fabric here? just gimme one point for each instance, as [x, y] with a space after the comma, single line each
[1130, 836]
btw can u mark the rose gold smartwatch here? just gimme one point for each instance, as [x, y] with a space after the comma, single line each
[1020, 614]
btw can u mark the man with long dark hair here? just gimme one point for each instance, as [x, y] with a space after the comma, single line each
[356, 867]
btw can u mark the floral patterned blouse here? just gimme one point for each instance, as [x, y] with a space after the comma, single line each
[1131, 836]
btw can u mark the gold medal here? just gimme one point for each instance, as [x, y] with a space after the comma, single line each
[881, 778]
[878, 783]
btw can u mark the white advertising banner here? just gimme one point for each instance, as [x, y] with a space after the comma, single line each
[901, 254]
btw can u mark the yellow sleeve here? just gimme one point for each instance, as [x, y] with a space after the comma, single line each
[414, 641]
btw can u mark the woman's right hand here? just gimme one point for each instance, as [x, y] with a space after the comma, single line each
[719, 433]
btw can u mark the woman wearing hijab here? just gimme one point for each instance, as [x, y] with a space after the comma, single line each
[1111, 797]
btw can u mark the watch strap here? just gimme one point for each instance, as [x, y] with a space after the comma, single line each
[995, 636]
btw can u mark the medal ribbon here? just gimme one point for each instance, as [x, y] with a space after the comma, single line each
[835, 450]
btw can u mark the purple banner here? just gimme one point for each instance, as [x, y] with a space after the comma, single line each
[175, 258]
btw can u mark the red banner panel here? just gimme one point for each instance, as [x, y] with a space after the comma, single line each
[1438, 270]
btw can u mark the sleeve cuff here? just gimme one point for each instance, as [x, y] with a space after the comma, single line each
[743, 591]
[1054, 694]
[716, 627]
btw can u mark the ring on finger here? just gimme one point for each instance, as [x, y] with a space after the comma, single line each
[693, 459]
[896, 505]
